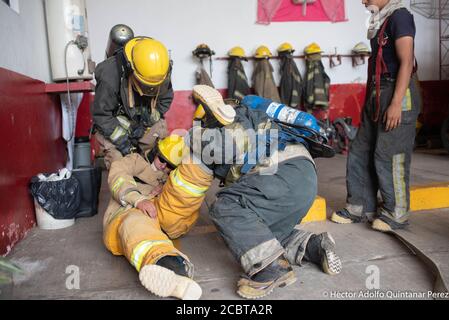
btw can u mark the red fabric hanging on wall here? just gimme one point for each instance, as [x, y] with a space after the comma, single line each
[284, 10]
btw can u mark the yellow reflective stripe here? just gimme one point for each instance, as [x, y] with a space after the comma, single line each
[118, 132]
[142, 249]
[188, 187]
[241, 74]
[407, 101]
[399, 183]
[124, 122]
[296, 77]
[117, 184]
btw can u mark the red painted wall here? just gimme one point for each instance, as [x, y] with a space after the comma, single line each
[30, 143]
[346, 100]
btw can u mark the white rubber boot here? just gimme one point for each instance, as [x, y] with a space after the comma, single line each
[164, 283]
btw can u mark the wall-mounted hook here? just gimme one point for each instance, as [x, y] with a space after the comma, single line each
[358, 59]
[335, 56]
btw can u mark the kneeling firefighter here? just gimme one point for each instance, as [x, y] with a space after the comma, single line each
[132, 94]
[148, 209]
[255, 213]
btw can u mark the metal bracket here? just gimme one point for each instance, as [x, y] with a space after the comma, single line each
[359, 60]
[332, 62]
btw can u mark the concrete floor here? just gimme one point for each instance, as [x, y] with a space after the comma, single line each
[47, 256]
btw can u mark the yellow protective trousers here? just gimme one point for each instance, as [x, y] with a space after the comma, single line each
[143, 240]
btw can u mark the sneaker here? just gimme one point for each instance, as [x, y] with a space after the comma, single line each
[321, 251]
[168, 278]
[344, 217]
[212, 101]
[278, 274]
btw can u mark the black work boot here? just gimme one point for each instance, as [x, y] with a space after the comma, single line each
[277, 274]
[321, 251]
[174, 263]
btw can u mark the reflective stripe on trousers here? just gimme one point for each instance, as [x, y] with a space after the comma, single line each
[142, 249]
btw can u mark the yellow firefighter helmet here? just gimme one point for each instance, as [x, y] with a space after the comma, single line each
[286, 47]
[172, 149]
[149, 60]
[361, 48]
[312, 48]
[237, 52]
[263, 52]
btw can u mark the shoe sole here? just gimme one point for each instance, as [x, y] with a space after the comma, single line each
[331, 262]
[381, 226]
[340, 220]
[254, 293]
[165, 283]
[215, 102]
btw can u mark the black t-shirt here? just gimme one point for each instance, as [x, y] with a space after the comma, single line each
[400, 24]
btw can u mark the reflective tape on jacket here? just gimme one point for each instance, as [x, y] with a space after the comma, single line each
[117, 184]
[124, 122]
[142, 249]
[118, 133]
[179, 182]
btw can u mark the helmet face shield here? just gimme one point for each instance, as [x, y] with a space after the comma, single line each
[145, 89]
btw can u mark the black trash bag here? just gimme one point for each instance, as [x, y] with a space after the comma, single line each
[59, 195]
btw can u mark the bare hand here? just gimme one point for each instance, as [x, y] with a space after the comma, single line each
[146, 206]
[392, 117]
[157, 190]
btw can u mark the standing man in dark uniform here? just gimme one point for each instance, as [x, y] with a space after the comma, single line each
[380, 156]
[132, 94]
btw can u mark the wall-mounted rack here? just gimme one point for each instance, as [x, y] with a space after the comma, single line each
[335, 59]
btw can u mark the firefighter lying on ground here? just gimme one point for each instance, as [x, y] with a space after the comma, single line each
[146, 211]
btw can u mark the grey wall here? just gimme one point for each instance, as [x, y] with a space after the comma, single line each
[23, 39]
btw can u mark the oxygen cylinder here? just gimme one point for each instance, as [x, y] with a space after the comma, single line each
[68, 39]
[118, 36]
[282, 113]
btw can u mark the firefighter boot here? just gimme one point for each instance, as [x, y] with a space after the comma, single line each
[321, 251]
[277, 274]
[214, 108]
[169, 278]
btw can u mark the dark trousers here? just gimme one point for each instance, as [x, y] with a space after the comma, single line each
[380, 160]
[256, 216]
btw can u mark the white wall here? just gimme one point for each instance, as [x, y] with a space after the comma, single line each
[222, 24]
[182, 25]
[23, 39]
